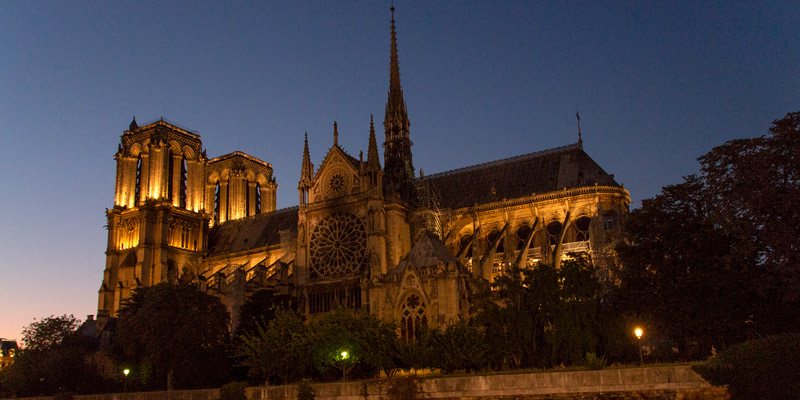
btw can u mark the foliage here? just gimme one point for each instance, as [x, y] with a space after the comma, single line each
[305, 391]
[593, 362]
[261, 308]
[405, 387]
[50, 332]
[233, 391]
[56, 361]
[280, 351]
[547, 316]
[462, 346]
[176, 336]
[758, 369]
[366, 338]
[419, 353]
[712, 261]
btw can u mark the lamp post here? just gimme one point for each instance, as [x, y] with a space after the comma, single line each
[342, 358]
[126, 372]
[639, 332]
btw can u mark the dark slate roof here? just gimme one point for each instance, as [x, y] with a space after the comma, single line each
[427, 251]
[520, 176]
[258, 231]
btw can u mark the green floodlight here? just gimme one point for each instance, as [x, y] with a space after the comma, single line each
[344, 355]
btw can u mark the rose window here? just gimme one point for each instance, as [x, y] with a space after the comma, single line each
[336, 183]
[338, 246]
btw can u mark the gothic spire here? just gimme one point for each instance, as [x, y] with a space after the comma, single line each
[395, 90]
[335, 134]
[397, 163]
[372, 152]
[307, 169]
[580, 140]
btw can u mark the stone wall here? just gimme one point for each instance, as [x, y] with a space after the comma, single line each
[652, 383]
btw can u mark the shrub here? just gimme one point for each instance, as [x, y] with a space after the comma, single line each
[233, 391]
[593, 362]
[757, 369]
[305, 391]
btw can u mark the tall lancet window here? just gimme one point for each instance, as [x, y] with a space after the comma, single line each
[138, 189]
[258, 198]
[217, 199]
[184, 172]
[170, 175]
[413, 319]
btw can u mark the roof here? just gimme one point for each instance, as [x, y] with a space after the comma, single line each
[540, 172]
[427, 251]
[260, 230]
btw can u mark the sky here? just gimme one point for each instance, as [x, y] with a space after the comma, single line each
[657, 84]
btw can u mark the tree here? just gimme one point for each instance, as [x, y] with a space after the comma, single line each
[366, 338]
[50, 332]
[174, 334]
[56, 358]
[279, 351]
[546, 316]
[713, 260]
[261, 308]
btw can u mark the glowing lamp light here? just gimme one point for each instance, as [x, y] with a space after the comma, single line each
[126, 372]
[638, 332]
[344, 355]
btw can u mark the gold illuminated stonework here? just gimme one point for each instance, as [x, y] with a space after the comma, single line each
[364, 236]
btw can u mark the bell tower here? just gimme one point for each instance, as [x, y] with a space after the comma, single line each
[158, 228]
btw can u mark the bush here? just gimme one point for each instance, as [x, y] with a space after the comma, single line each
[592, 361]
[757, 369]
[233, 391]
[305, 391]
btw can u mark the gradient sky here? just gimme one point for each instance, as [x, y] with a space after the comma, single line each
[657, 85]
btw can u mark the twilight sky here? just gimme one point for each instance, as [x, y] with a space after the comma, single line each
[657, 85]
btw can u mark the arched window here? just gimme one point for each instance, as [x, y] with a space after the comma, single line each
[413, 318]
[609, 222]
[582, 228]
[465, 245]
[170, 175]
[184, 173]
[553, 231]
[247, 200]
[523, 233]
[258, 198]
[216, 201]
[137, 190]
[495, 236]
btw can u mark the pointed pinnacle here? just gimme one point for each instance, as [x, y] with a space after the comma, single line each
[335, 134]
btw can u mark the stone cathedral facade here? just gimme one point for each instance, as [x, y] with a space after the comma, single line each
[367, 233]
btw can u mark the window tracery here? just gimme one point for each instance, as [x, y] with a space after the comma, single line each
[338, 246]
[553, 231]
[582, 229]
[413, 318]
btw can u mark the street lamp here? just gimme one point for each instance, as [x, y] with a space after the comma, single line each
[126, 372]
[639, 332]
[342, 358]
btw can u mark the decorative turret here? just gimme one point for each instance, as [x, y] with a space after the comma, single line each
[306, 173]
[398, 166]
[373, 163]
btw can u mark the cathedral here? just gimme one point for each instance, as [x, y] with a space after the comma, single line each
[402, 245]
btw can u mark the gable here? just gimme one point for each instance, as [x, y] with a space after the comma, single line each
[337, 176]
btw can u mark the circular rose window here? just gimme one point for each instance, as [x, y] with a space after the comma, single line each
[338, 246]
[336, 183]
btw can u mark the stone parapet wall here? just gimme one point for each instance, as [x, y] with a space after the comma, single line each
[652, 383]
